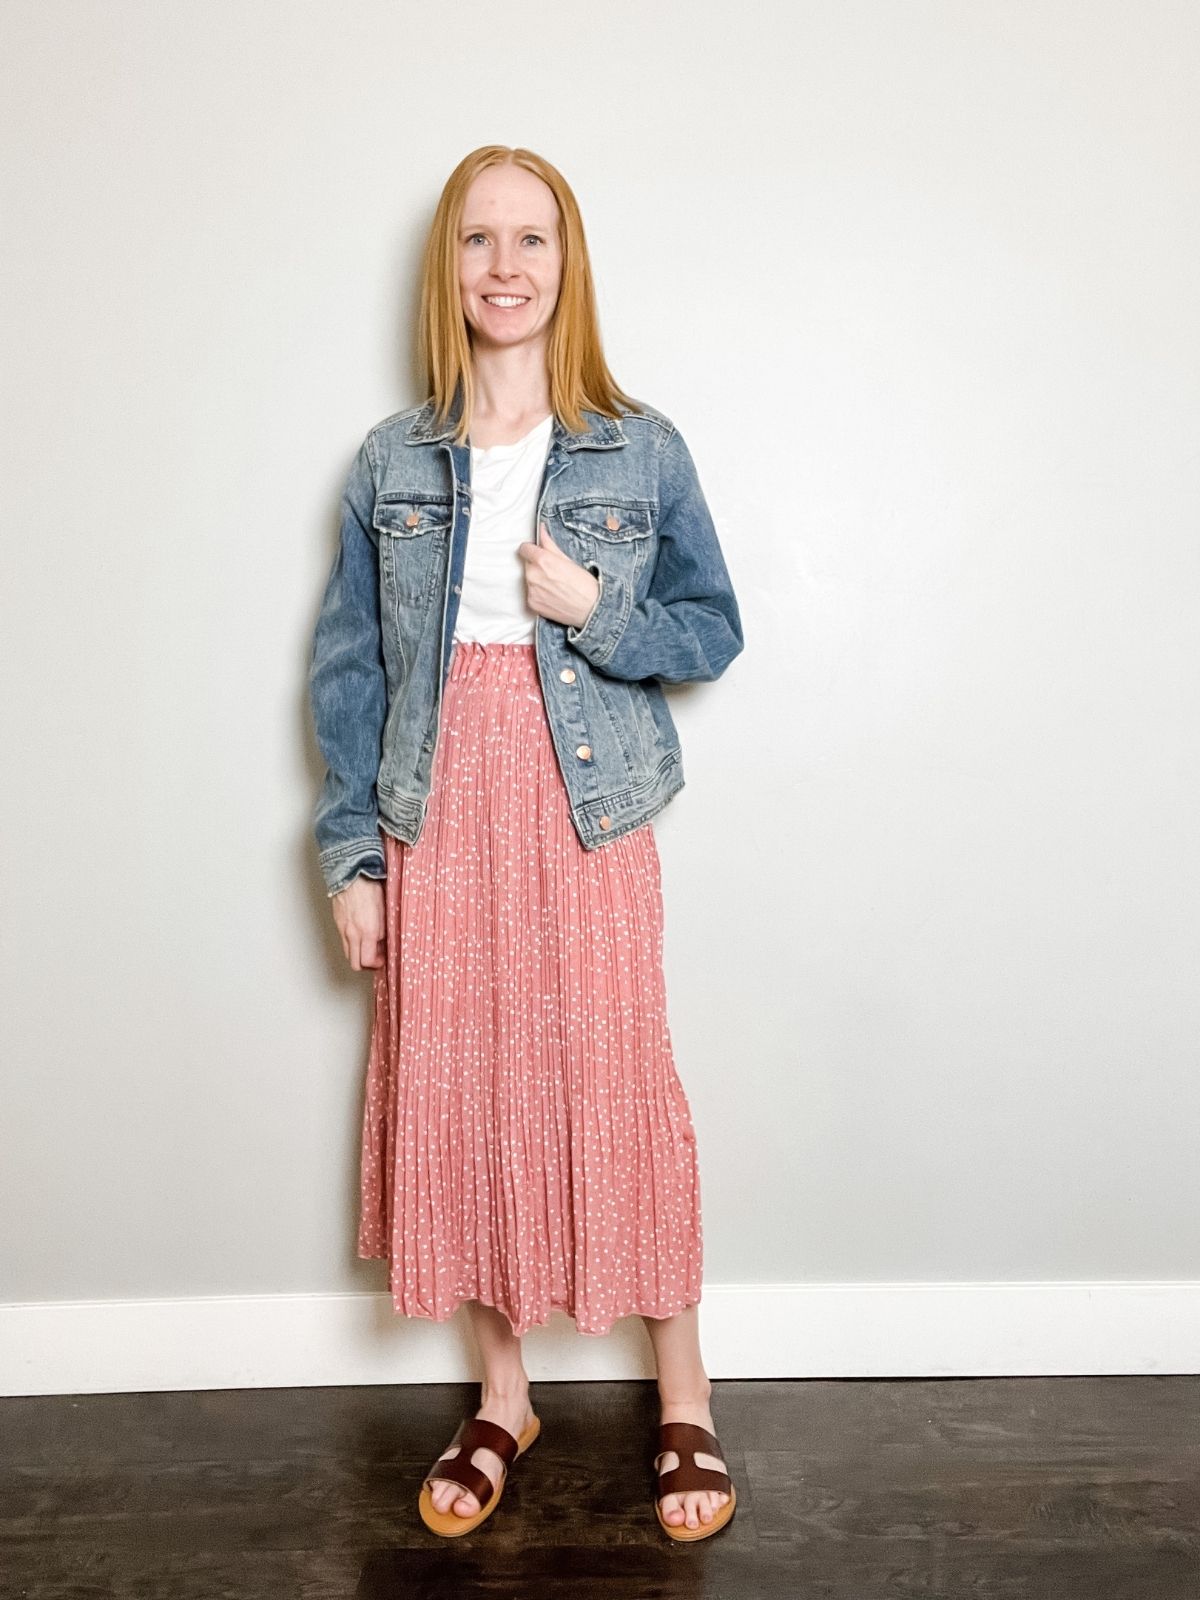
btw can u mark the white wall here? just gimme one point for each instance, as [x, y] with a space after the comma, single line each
[918, 283]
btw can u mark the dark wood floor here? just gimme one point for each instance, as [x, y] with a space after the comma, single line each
[1063, 1488]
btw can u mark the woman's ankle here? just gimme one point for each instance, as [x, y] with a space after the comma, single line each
[506, 1388]
[689, 1394]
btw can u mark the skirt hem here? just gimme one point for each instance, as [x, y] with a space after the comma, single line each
[520, 1327]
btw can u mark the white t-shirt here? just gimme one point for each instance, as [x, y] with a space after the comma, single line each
[505, 482]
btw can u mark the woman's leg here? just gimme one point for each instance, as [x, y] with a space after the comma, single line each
[684, 1390]
[504, 1395]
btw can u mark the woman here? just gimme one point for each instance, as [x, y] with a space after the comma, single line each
[497, 741]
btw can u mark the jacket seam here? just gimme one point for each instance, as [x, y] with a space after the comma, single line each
[371, 463]
[618, 629]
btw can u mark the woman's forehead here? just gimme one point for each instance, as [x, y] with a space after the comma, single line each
[498, 190]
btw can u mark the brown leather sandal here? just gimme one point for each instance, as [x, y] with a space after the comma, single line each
[685, 1439]
[456, 1464]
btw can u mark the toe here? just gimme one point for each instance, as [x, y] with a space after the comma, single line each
[449, 1495]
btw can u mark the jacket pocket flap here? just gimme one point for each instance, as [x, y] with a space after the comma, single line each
[609, 520]
[408, 518]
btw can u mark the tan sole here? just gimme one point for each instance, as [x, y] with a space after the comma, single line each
[684, 1534]
[448, 1523]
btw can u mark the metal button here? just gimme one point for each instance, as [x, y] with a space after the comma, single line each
[458, 588]
[606, 822]
[584, 752]
[567, 674]
[411, 520]
[612, 523]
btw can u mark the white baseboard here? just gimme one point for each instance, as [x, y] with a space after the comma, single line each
[786, 1330]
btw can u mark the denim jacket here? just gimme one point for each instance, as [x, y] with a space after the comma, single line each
[623, 499]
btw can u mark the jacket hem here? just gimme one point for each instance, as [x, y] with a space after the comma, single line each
[638, 804]
[403, 815]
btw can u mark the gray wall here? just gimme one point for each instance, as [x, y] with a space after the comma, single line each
[918, 284]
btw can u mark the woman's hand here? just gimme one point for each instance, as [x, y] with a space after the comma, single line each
[358, 911]
[555, 586]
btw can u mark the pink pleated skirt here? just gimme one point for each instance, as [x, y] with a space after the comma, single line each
[526, 1139]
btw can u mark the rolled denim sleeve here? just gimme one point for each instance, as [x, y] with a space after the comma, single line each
[689, 626]
[348, 692]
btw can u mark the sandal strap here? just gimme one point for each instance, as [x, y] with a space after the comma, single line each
[472, 1434]
[685, 1439]
[688, 1476]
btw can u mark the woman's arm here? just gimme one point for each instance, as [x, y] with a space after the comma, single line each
[348, 692]
[689, 626]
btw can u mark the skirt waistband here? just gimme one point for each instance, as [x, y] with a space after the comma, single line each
[470, 657]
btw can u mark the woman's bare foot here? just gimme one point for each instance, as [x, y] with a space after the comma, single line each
[696, 1505]
[513, 1412]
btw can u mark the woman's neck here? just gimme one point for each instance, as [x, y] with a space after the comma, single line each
[511, 393]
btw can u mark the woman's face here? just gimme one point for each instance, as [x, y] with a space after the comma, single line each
[508, 247]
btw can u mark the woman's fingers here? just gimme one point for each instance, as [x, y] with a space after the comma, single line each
[364, 949]
[358, 912]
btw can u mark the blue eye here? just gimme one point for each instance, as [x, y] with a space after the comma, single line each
[535, 236]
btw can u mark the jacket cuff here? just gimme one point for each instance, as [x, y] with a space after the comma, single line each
[342, 863]
[601, 633]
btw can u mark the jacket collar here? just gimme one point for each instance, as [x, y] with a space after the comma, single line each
[601, 432]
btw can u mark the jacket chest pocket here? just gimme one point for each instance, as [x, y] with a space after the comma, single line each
[413, 537]
[616, 535]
